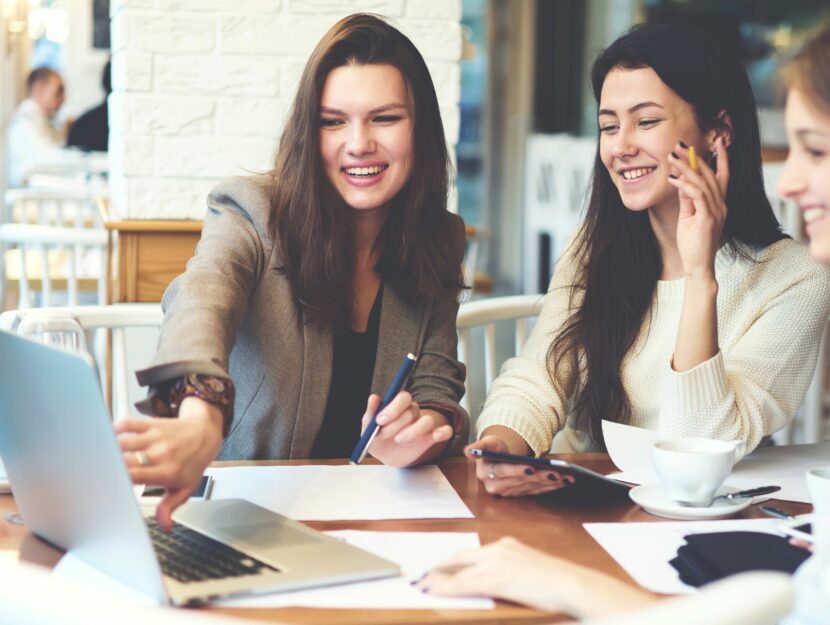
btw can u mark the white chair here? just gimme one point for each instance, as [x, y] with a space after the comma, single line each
[53, 237]
[110, 325]
[758, 598]
[70, 169]
[485, 314]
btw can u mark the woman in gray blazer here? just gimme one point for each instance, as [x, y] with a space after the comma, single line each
[311, 284]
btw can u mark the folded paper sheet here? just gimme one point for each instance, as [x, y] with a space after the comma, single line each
[644, 549]
[343, 492]
[785, 466]
[415, 552]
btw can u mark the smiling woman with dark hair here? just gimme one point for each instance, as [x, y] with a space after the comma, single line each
[310, 285]
[510, 570]
[679, 306]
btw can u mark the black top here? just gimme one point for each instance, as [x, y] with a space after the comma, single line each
[351, 381]
[91, 130]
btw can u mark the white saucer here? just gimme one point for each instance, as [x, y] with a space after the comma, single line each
[654, 499]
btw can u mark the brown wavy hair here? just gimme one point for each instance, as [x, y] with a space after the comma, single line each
[418, 244]
[809, 70]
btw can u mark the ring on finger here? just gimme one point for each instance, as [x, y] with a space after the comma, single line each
[142, 458]
[491, 473]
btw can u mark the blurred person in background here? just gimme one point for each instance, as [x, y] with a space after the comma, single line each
[32, 136]
[90, 132]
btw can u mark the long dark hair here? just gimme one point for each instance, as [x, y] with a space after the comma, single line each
[616, 253]
[312, 222]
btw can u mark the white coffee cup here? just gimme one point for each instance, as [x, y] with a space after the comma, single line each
[692, 469]
[818, 483]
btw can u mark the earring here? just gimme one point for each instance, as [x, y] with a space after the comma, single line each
[714, 153]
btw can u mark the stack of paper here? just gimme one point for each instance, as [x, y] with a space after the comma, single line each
[784, 466]
[343, 492]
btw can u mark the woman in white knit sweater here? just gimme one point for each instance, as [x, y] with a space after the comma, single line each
[513, 571]
[679, 306]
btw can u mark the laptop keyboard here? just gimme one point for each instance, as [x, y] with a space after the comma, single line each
[188, 556]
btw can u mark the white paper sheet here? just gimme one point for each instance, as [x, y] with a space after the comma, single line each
[415, 552]
[644, 549]
[343, 492]
[785, 466]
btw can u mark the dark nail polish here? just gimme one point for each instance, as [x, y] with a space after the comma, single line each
[529, 471]
[672, 176]
[683, 145]
[674, 154]
[551, 477]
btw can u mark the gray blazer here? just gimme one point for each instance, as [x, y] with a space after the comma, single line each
[232, 313]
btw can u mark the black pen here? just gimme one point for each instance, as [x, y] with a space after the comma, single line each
[395, 387]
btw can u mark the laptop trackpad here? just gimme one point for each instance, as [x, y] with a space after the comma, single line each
[262, 535]
[245, 524]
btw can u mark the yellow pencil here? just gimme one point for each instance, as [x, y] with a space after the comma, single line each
[692, 157]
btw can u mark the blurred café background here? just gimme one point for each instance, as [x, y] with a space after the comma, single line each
[200, 89]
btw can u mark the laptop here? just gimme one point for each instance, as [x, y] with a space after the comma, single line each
[73, 490]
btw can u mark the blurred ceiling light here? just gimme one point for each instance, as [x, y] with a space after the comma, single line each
[782, 37]
[15, 16]
[51, 22]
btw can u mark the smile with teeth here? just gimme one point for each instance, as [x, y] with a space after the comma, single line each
[374, 170]
[631, 174]
[811, 214]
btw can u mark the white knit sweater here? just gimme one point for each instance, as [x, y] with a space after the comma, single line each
[771, 315]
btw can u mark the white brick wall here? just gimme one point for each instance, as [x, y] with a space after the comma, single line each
[202, 87]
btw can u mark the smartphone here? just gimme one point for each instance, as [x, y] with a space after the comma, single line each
[153, 493]
[800, 527]
[582, 475]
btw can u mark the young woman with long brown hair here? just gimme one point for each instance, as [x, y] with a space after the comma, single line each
[679, 306]
[310, 285]
[511, 570]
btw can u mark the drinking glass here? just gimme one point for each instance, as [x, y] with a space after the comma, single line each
[54, 328]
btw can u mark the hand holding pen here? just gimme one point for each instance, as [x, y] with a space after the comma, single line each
[397, 431]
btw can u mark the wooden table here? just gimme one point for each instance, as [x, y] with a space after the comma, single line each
[554, 527]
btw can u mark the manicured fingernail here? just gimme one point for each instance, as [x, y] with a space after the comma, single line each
[683, 145]
[551, 477]
[672, 176]
[674, 155]
[382, 419]
[529, 471]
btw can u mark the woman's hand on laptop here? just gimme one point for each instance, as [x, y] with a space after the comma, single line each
[172, 453]
[407, 435]
[512, 480]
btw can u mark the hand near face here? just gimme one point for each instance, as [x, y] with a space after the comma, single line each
[512, 480]
[510, 570]
[407, 435]
[702, 209]
[172, 453]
